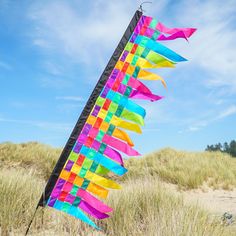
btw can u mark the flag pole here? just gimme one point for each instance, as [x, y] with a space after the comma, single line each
[31, 221]
[82, 119]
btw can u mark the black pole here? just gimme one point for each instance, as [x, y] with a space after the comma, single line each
[85, 113]
[31, 221]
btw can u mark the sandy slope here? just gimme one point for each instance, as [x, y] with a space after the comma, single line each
[216, 201]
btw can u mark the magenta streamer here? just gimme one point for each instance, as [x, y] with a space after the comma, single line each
[114, 155]
[187, 31]
[94, 202]
[92, 211]
[119, 145]
[145, 96]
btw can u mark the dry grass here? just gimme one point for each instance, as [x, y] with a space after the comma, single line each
[142, 207]
[145, 207]
[19, 191]
[33, 155]
[188, 170]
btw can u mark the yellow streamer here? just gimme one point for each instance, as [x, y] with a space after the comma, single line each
[121, 134]
[125, 124]
[98, 190]
[102, 181]
[146, 75]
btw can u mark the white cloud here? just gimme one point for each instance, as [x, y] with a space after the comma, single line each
[5, 65]
[86, 36]
[55, 82]
[227, 112]
[41, 43]
[150, 129]
[211, 117]
[82, 38]
[40, 124]
[213, 46]
[193, 128]
[71, 98]
[18, 104]
[52, 68]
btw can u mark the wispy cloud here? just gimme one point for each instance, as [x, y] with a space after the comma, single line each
[52, 68]
[40, 124]
[201, 123]
[227, 112]
[65, 29]
[71, 98]
[18, 104]
[55, 82]
[213, 46]
[78, 32]
[5, 65]
[150, 129]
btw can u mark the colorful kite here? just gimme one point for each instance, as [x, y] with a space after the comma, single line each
[79, 180]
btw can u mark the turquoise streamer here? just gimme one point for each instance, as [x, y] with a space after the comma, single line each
[74, 211]
[158, 48]
[109, 164]
[102, 160]
[125, 102]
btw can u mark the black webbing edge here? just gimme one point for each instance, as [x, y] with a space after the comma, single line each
[87, 109]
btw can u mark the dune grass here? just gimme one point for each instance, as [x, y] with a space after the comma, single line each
[142, 207]
[189, 170]
[145, 207]
[19, 191]
[39, 157]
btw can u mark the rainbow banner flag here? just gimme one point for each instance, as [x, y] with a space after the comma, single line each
[79, 180]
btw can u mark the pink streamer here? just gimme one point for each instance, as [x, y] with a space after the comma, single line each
[94, 202]
[134, 83]
[146, 96]
[119, 145]
[176, 35]
[114, 155]
[92, 211]
[175, 32]
[142, 91]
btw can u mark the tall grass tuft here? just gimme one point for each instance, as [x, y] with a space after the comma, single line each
[19, 191]
[188, 170]
[39, 157]
[143, 207]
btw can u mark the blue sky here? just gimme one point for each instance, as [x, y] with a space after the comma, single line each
[53, 52]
